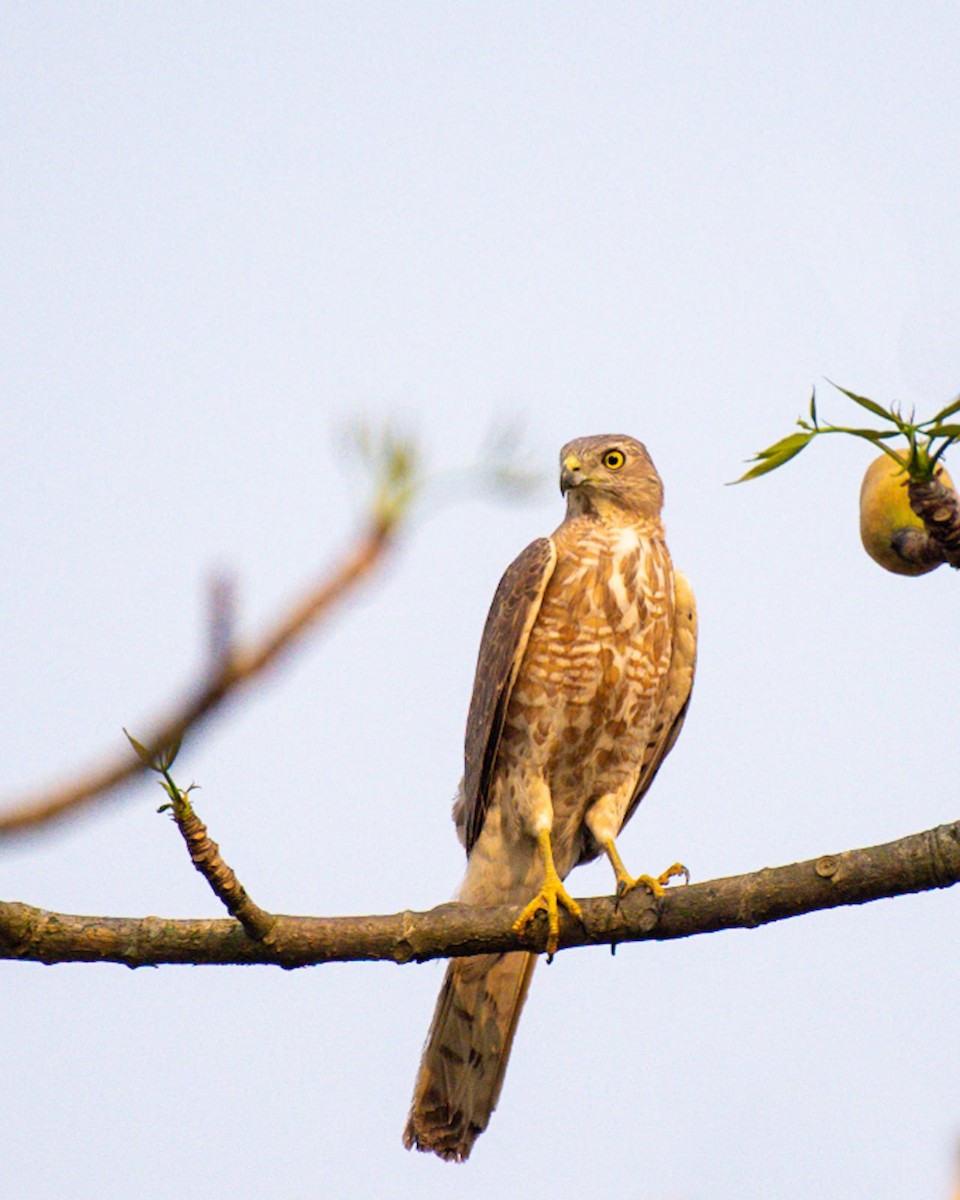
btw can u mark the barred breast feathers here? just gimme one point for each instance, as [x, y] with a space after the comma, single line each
[604, 624]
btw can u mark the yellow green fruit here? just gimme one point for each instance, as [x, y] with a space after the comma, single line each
[884, 511]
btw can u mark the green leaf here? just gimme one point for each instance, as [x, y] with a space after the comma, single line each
[947, 431]
[170, 788]
[776, 455]
[142, 752]
[813, 407]
[902, 459]
[865, 402]
[762, 468]
[952, 407]
[168, 755]
[871, 435]
[792, 444]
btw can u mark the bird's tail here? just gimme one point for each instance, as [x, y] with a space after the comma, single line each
[466, 1054]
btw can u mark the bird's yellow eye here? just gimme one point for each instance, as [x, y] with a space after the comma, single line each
[613, 460]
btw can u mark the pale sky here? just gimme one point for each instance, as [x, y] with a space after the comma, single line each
[228, 230]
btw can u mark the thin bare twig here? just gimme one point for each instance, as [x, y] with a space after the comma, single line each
[204, 851]
[206, 857]
[920, 862]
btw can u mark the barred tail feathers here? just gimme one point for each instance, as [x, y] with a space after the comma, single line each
[466, 1054]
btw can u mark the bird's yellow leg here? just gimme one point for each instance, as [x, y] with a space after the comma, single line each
[549, 898]
[626, 881]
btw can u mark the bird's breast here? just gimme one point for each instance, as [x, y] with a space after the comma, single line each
[599, 649]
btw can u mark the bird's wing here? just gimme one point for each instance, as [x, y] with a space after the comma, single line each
[677, 689]
[512, 613]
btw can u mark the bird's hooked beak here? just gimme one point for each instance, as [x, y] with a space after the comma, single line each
[571, 474]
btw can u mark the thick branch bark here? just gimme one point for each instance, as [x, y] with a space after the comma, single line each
[237, 671]
[938, 506]
[917, 863]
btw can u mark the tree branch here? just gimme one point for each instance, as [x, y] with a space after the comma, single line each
[938, 506]
[206, 857]
[920, 862]
[233, 674]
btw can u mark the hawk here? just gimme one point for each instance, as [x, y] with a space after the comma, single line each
[583, 681]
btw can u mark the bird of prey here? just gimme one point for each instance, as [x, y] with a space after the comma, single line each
[583, 681]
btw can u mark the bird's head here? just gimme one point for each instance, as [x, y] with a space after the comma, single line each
[610, 475]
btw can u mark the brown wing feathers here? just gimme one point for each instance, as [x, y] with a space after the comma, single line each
[505, 635]
[679, 685]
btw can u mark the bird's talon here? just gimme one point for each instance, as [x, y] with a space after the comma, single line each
[656, 885]
[548, 900]
[677, 871]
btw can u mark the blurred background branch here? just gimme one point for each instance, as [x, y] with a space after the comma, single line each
[393, 463]
[233, 672]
